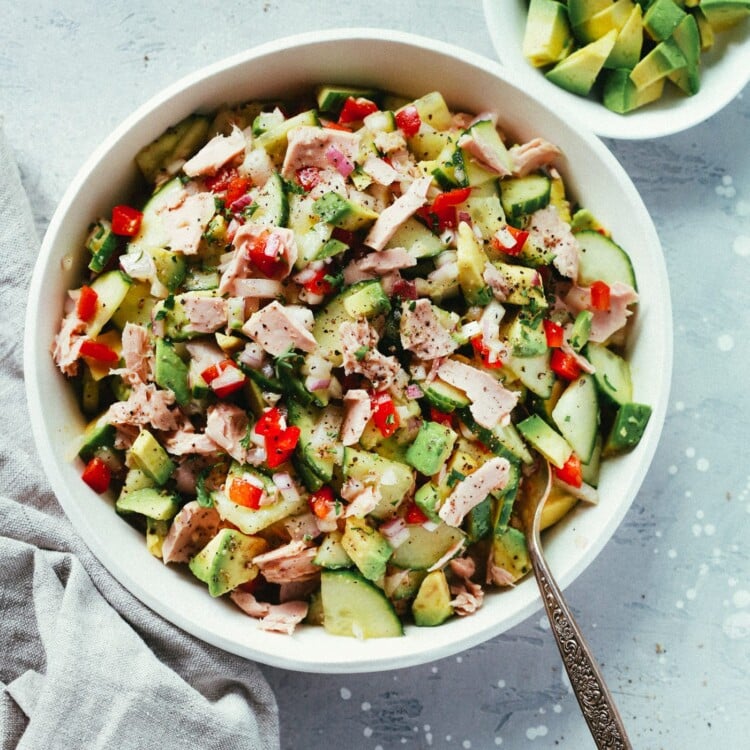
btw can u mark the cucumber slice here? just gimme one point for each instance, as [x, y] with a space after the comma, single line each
[111, 289]
[353, 606]
[445, 397]
[524, 195]
[576, 415]
[601, 259]
[612, 373]
[152, 233]
[273, 204]
[424, 548]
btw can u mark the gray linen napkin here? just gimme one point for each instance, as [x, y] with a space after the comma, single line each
[83, 664]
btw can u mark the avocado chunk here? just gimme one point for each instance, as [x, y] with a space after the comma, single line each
[431, 448]
[687, 37]
[628, 428]
[580, 10]
[661, 19]
[98, 434]
[170, 372]
[665, 58]
[611, 18]
[478, 521]
[547, 37]
[724, 14]
[150, 502]
[367, 548]
[368, 302]
[546, 440]
[149, 455]
[510, 552]
[471, 260]
[432, 605]
[579, 333]
[427, 500]
[226, 561]
[342, 212]
[578, 71]
[526, 336]
[627, 50]
[621, 95]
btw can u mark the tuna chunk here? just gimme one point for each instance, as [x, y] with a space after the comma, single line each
[292, 562]
[484, 153]
[547, 229]
[148, 406]
[397, 213]
[137, 353]
[605, 322]
[469, 492]
[66, 348]
[186, 219]
[380, 170]
[278, 328]
[226, 425]
[532, 155]
[206, 314]
[422, 332]
[184, 442]
[191, 530]
[309, 145]
[279, 618]
[491, 402]
[392, 259]
[359, 348]
[357, 413]
[216, 153]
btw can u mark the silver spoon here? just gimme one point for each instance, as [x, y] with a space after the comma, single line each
[595, 700]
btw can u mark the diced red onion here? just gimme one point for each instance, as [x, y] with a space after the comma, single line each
[241, 203]
[464, 216]
[395, 531]
[316, 384]
[344, 166]
[414, 391]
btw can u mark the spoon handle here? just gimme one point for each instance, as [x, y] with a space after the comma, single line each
[596, 702]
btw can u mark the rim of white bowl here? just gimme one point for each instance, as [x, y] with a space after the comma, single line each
[298, 652]
[722, 80]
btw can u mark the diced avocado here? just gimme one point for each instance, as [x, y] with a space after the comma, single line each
[486, 213]
[520, 196]
[343, 212]
[135, 479]
[367, 547]
[526, 336]
[502, 440]
[171, 267]
[170, 372]
[621, 95]
[627, 49]
[427, 500]
[226, 561]
[611, 372]
[546, 440]
[156, 533]
[661, 18]
[665, 58]
[318, 454]
[471, 260]
[611, 18]
[354, 607]
[580, 10]
[578, 71]
[547, 37]
[704, 29]
[393, 479]
[368, 302]
[510, 553]
[331, 552]
[149, 455]
[150, 502]
[628, 428]
[576, 415]
[687, 37]
[432, 605]
[724, 14]
[579, 333]
[423, 547]
[524, 285]
[583, 219]
[557, 505]
[431, 448]
[98, 434]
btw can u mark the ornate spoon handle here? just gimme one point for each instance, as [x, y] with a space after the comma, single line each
[596, 703]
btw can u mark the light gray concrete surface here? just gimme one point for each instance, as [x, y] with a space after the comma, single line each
[667, 603]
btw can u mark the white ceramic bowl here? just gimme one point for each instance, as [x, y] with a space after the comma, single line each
[725, 71]
[403, 63]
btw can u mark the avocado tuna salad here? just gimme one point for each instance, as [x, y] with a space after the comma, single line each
[322, 352]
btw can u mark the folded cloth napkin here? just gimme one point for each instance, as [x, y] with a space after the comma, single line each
[83, 664]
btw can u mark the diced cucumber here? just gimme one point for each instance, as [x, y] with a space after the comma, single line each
[602, 259]
[576, 415]
[252, 520]
[102, 244]
[423, 548]
[331, 553]
[533, 372]
[111, 289]
[611, 372]
[353, 606]
[524, 195]
[502, 440]
[315, 445]
[273, 204]
[549, 443]
[331, 98]
[418, 240]
[343, 212]
[367, 302]
[445, 397]
[433, 110]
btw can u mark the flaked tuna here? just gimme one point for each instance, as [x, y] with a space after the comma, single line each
[357, 413]
[226, 425]
[278, 328]
[146, 406]
[185, 220]
[604, 322]
[191, 530]
[309, 147]
[532, 155]
[215, 154]
[359, 348]
[469, 492]
[206, 314]
[136, 353]
[397, 213]
[292, 562]
[422, 332]
[547, 228]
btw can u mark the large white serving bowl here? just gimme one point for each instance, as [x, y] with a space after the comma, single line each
[411, 65]
[725, 71]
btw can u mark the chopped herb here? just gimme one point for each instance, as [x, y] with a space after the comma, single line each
[361, 353]
[454, 476]
[291, 187]
[201, 493]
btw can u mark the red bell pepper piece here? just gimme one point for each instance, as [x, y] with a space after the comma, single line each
[384, 413]
[441, 417]
[565, 365]
[554, 333]
[334, 125]
[408, 120]
[224, 378]
[441, 214]
[218, 183]
[308, 178]
[322, 501]
[414, 514]
[483, 352]
[269, 421]
[570, 472]
[600, 296]
[126, 220]
[87, 303]
[519, 235]
[236, 188]
[356, 109]
[280, 445]
[100, 352]
[266, 254]
[97, 475]
[318, 284]
[245, 493]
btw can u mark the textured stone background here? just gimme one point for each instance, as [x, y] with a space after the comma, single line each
[667, 603]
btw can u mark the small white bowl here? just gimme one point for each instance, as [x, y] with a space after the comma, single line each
[725, 71]
[411, 65]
